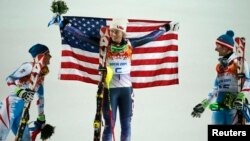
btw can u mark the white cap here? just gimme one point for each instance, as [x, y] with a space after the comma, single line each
[119, 23]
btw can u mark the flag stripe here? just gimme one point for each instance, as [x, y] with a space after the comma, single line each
[77, 72]
[154, 66]
[156, 49]
[153, 55]
[151, 79]
[156, 83]
[142, 29]
[78, 78]
[78, 67]
[146, 21]
[67, 59]
[154, 72]
[80, 57]
[168, 36]
[154, 61]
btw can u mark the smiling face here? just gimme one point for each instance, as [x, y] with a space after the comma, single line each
[47, 58]
[116, 35]
[222, 50]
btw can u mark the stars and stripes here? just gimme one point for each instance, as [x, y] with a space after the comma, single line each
[153, 64]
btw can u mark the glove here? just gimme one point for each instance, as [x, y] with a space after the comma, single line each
[36, 129]
[63, 23]
[26, 94]
[46, 129]
[101, 69]
[40, 126]
[200, 108]
[171, 26]
[174, 26]
[44, 71]
[167, 27]
[239, 101]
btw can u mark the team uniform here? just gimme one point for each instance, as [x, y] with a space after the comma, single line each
[12, 106]
[118, 57]
[228, 95]
[226, 90]
[121, 92]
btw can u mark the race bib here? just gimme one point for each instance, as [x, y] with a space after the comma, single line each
[227, 83]
[120, 66]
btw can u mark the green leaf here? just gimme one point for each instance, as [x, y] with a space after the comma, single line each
[59, 7]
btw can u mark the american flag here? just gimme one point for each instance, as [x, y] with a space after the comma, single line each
[153, 64]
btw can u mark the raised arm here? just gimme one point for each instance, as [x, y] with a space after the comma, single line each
[154, 35]
[147, 38]
[66, 27]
